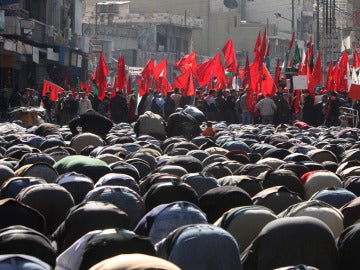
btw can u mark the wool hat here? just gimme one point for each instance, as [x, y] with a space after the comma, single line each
[91, 167]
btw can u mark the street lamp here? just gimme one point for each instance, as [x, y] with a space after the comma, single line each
[278, 15]
[292, 20]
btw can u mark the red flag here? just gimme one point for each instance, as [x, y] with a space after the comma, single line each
[162, 85]
[204, 72]
[148, 69]
[181, 80]
[335, 79]
[276, 76]
[267, 83]
[88, 87]
[146, 73]
[187, 62]
[211, 69]
[260, 56]
[101, 77]
[329, 76]
[190, 89]
[160, 70]
[230, 56]
[316, 76]
[246, 83]
[343, 68]
[219, 73]
[129, 86]
[143, 89]
[291, 41]
[73, 91]
[113, 90]
[82, 86]
[53, 88]
[121, 76]
[356, 59]
[257, 45]
[354, 92]
[297, 95]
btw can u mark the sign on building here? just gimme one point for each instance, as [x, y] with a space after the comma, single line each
[35, 55]
[2, 20]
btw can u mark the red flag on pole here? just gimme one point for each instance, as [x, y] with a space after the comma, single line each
[316, 76]
[101, 77]
[261, 55]
[230, 56]
[329, 76]
[181, 80]
[113, 90]
[160, 70]
[246, 77]
[219, 73]
[335, 79]
[354, 92]
[121, 76]
[190, 89]
[88, 87]
[140, 81]
[73, 91]
[291, 41]
[129, 86]
[146, 75]
[148, 69]
[53, 88]
[187, 62]
[356, 59]
[343, 71]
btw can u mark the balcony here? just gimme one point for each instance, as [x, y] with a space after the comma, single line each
[29, 30]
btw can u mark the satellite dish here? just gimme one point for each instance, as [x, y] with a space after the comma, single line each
[231, 4]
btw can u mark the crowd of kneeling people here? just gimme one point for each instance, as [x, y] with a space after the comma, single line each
[183, 191]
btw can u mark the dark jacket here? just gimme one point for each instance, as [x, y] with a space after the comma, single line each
[119, 109]
[91, 121]
[182, 124]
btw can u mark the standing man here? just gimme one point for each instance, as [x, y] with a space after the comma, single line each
[332, 111]
[308, 108]
[230, 107]
[84, 104]
[267, 109]
[119, 108]
[247, 117]
[176, 96]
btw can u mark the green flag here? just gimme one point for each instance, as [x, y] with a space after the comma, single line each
[297, 59]
[96, 90]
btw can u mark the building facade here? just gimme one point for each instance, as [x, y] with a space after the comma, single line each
[41, 40]
[219, 23]
[137, 36]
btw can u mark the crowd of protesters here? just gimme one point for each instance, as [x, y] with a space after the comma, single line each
[323, 108]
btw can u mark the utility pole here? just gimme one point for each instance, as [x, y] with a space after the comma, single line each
[96, 20]
[318, 25]
[292, 16]
[326, 35]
